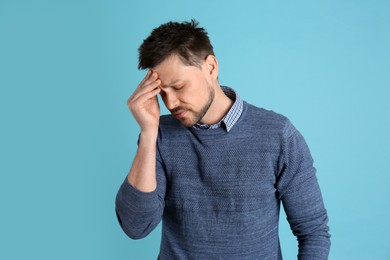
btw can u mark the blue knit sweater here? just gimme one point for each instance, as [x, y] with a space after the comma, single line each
[218, 193]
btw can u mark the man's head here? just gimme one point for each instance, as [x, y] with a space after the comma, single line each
[183, 57]
[186, 39]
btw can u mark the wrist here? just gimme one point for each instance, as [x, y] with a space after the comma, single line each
[149, 134]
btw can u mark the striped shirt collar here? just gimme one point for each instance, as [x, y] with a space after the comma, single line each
[232, 116]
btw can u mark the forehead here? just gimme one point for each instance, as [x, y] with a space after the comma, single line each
[172, 69]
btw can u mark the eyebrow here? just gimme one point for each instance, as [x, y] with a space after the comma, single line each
[172, 84]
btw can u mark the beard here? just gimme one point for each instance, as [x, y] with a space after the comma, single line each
[198, 115]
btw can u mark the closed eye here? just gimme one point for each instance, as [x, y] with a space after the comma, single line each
[162, 93]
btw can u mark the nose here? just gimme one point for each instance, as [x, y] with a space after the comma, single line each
[170, 101]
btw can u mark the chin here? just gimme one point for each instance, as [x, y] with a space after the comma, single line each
[187, 122]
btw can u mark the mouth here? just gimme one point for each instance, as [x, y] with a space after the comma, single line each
[180, 114]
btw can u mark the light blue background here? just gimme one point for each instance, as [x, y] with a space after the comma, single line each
[68, 139]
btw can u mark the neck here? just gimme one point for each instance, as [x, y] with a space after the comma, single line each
[219, 108]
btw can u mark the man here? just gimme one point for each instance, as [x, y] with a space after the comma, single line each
[217, 168]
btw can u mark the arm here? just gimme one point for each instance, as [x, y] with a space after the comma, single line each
[140, 200]
[300, 194]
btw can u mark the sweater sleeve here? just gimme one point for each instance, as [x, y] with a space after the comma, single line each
[299, 191]
[139, 212]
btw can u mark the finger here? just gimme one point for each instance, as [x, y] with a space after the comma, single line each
[148, 86]
[153, 77]
[150, 79]
[142, 84]
[146, 96]
[148, 74]
[145, 89]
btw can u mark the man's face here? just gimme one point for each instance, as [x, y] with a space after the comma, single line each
[187, 90]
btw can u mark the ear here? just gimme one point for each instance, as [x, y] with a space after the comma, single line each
[211, 66]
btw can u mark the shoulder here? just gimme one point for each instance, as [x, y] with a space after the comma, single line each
[272, 123]
[266, 118]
